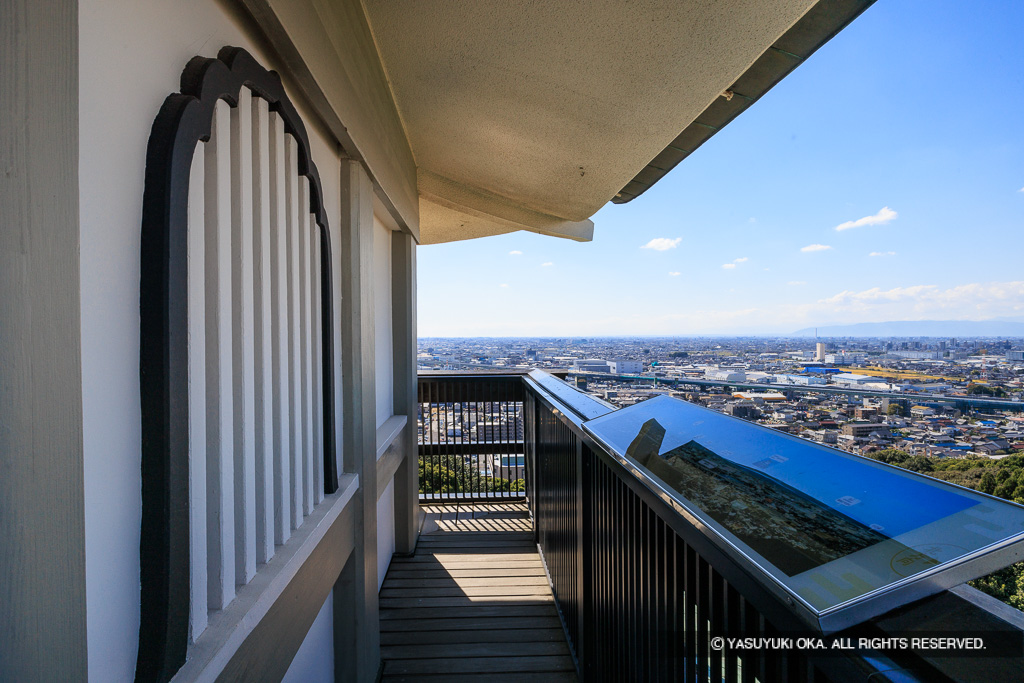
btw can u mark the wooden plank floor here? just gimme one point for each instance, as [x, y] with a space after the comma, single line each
[473, 604]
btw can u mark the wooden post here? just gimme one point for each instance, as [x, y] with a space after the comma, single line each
[356, 614]
[43, 629]
[403, 294]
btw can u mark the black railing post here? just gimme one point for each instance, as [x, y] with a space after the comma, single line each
[579, 559]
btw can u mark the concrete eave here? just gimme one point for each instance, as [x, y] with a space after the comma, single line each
[476, 118]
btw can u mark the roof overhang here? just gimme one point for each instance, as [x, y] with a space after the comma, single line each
[533, 115]
[480, 118]
[823, 21]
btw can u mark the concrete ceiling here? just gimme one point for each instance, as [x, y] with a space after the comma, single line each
[534, 114]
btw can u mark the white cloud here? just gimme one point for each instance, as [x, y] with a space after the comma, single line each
[751, 220]
[882, 253]
[884, 215]
[503, 285]
[675, 273]
[815, 247]
[662, 243]
[970, 301]
[1021, 190]
[796, 283]
[547, 263]
[515, 252]
[731, 266]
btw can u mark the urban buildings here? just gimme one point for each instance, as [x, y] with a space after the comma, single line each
[211, 215]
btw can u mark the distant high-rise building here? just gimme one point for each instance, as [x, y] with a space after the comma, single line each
[819, 351]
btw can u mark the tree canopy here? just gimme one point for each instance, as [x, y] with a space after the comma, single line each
[1003, 478]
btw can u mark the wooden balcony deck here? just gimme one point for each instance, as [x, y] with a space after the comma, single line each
[473, 604]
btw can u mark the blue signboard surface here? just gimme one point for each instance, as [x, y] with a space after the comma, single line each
[831, 528]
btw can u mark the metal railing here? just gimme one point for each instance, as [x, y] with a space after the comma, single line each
[641, 592]
[470, 431]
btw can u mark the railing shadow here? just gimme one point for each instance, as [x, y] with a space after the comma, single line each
[473, 601]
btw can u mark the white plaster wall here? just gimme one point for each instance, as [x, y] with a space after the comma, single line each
[310, 665]
[385, 531]
[383, 352]
[131, 56]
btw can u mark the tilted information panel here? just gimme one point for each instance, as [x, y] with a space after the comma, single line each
[838, 537]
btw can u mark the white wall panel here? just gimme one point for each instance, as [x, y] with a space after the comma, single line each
[242, 344]
[147, 43]
[197, 390]
[317, 360]
[385, 531]
[220, 486]
[305, 347]
[279, 331]
[314, 662]
[383, 353]
[263, 374]
[294, 212]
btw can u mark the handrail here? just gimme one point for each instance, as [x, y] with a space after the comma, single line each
[634, 579]
[470, 430]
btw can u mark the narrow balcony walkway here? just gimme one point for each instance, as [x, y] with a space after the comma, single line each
[473, 604]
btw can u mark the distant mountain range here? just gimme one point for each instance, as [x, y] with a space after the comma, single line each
[921, 328]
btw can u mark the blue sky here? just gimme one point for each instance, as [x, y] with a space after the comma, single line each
[905, 131]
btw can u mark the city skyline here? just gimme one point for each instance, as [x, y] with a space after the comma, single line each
[881, 181]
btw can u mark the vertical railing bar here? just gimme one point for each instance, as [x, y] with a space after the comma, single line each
[729, 629]
[649, 592]
[672, 650]
[431, 437]
[487, 457]
[438, 439]
[458, 394]
[435, 439]
[499, 408]
[488, 468]
[467, 391]
[622, 562]
[703, 605]
[447, 396]
[484, 422]
[457, 438]
[776, 661]
[460, 387]
[676, 648]
[748, 671]
[631, 583]
[654, 600]
[643, 590]
[660, 599]
[471, 391]
[442, 393]
[421, 437]
[427, 417]
[435, 436]
[761, 664]
[717, 589]
[503, 427]
[689, 616]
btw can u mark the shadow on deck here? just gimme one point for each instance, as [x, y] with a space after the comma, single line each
[473, 603]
